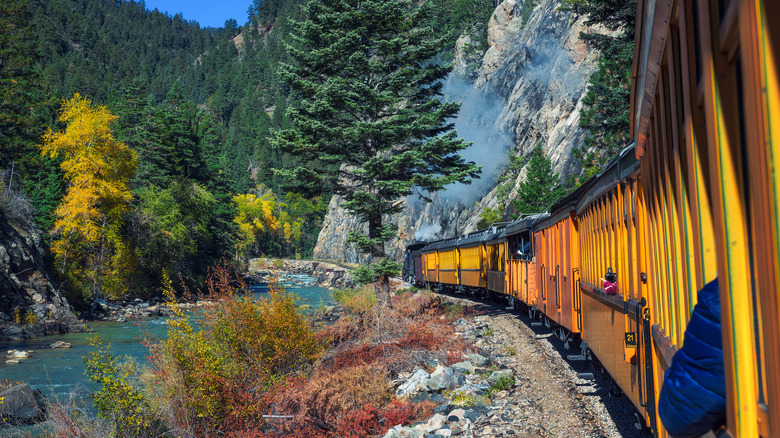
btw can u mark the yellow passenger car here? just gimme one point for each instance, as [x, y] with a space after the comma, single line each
[706, 119]
[473, 269]
[610, 239]
[449, 262]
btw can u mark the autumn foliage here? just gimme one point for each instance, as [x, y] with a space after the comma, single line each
[252, 367]
[215, 377]
[89, 247]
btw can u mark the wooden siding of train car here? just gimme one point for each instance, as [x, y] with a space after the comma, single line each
[609, 235]
[540, 285]
[448, 266]
[762, 111]
[471, 266]
[675, 213]
[521, 279]
[738, 117]
[496, 256]
[553, 240]
[419, 274]
[712, 111]
[562, 258]
[568, 266]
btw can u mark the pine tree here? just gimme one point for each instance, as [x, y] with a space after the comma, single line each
[371, 126]
[24, 111]
[541, 186]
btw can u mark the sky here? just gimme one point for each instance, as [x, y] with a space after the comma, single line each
[209, 13]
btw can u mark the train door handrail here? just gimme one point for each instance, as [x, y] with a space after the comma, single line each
[577, 297]
[557, 286]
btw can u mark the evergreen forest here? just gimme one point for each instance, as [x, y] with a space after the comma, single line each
[200, 179]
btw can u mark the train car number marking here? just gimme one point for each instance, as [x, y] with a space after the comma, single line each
[631, 340]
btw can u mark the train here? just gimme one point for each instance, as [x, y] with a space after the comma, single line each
[695, 197]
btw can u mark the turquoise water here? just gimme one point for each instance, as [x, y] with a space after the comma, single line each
[60, 372]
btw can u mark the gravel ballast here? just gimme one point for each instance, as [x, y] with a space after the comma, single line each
[546, 399]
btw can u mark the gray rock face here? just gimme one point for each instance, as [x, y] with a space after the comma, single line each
[26, 288]
[531, 80]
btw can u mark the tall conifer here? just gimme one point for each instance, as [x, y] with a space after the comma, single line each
[541, 186]
[371, 126]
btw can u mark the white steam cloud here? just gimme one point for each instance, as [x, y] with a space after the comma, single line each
[427, 232]
[477, 122]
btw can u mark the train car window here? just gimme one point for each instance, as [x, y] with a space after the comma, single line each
[696, 41]
[723, 7]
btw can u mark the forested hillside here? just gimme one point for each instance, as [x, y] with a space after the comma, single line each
[195, 107]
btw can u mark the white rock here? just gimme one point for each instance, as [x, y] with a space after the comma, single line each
[500, 374]
[17, 354]
[415, 384]
[436, 422]
[60, 344]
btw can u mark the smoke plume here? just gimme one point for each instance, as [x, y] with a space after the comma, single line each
[428, 232]
[478, 123]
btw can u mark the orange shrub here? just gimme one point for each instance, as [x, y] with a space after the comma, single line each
[369, 420]
[214, 378]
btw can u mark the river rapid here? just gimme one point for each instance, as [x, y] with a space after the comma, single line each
[59, 372]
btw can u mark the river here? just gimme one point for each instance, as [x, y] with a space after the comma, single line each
[60, 372]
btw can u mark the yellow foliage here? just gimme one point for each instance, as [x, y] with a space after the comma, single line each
[89, 247]
[262, 217]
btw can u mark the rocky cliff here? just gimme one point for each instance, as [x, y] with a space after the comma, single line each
[30, 303]
[525, 89]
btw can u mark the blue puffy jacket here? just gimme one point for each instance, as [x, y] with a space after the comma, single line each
[693, 397]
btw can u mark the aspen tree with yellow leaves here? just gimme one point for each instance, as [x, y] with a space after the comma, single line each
[263, 222]
[89, 248]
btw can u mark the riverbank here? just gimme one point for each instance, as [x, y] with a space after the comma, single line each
[327, 275]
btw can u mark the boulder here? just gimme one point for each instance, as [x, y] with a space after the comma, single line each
[19, 403]
[442, 378]
[464, 366]
[456, 415]
[18, 354]
[404, 432]
[434, 423]
[60, 344]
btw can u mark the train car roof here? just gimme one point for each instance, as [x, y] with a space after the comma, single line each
[447, 243]
[440, 244]
[416, 245]
[473, 238]
[431, 246]
[618, 169]
[496, 234]
[524, 223]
